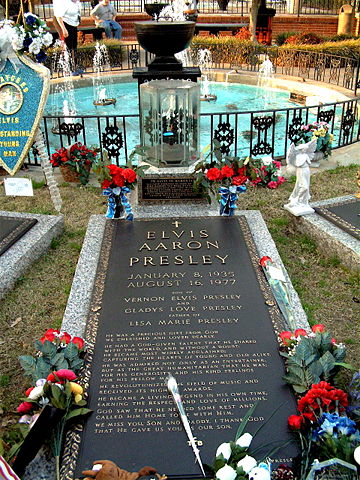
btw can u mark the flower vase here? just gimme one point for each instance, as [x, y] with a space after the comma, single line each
[318, 156]
[118, 203]
[228, 199]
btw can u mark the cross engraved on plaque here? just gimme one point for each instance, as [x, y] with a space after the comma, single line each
[176, 223]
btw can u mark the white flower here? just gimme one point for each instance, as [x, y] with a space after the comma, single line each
[245, 440]
[43, 401]
[36, 392]
[35, 46]
[266, 160]
[247, 463]
[226, 473]
[225, 450]
[47, 39]
[41, 382]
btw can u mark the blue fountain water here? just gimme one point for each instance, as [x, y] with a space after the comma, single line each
[230, 97]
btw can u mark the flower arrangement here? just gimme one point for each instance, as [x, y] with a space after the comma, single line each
[223, 176]
[78, 158]
[267, 173]
[310, 357]
[116, 183]
[33, 37]
[320, 131]
[54, 369]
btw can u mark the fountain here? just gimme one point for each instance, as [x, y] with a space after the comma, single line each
[101, 63]
[169, 104]
[204, 62]
[64, 99]
[265, 81]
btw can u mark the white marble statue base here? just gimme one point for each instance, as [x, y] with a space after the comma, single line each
[299, 210]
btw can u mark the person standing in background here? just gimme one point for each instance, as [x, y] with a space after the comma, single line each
[66, 19]
[104, 15]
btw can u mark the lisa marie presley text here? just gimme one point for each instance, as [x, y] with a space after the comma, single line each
[166, 242]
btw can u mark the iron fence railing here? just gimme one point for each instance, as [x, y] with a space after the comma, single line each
[308, 65]
[239, 7]
[255, 133]
[258, 133]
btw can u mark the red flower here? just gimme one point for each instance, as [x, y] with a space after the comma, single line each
[277, 164]
[79, 342]
[286, 338]
[239, 180]
[106, 184]
[227, 172]
[25, 407]
[113, 169]
[65, 337]
[51, 378]
[319, 328]
[272, 184]
[264, 260]
[28, 391]
[280, 180]
[50, 335]
[118, 179]
[300, 332]
[295, 421]
[129, 175]
[213, 174]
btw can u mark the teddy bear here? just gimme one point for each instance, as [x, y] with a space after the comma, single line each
[108, 470]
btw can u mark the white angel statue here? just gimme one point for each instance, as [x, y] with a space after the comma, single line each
[300, 157]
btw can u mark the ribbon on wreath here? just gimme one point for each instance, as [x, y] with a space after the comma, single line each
[228, 197]
[112, 194]
[7, 51]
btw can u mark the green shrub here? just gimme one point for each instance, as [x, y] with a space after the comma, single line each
[281, 37]
[345, 48]
[229, 50]
[303, 39]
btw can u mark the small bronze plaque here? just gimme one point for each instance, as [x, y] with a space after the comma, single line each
[168, 188]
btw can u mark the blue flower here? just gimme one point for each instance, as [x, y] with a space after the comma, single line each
[27, 42]
[40, 57]
[30, 19]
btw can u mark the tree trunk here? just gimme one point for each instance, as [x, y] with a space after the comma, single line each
[255, 4]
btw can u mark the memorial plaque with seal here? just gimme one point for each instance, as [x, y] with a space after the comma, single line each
[183, 296]
[168, 188]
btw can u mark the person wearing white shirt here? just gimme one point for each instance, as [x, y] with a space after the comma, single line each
[104, 15]
[66, 19]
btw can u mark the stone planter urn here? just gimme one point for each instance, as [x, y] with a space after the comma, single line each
[318, 156]
[223, 4]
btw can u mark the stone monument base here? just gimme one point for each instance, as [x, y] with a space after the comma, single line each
[299, 210]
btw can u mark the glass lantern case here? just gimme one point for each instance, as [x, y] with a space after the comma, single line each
[169, 122]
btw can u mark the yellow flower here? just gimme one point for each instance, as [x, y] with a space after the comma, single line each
[322, 132]
[331, 137]
[76, 388]
[78, 398]
[316, 133]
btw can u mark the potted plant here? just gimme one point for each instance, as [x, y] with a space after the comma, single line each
[223, 176]
[74, 162]
[320, 131]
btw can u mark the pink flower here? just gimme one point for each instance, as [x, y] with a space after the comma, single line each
[272, 184]
[65, 374]
[280, 180]
[277, 164]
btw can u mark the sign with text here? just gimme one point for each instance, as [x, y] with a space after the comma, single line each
[183, 296]
[21, 187]
[23, 94]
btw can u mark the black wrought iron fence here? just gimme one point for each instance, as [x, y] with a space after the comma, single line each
[258, 133]
[227, 7]
[317, 66]
[255, 133]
